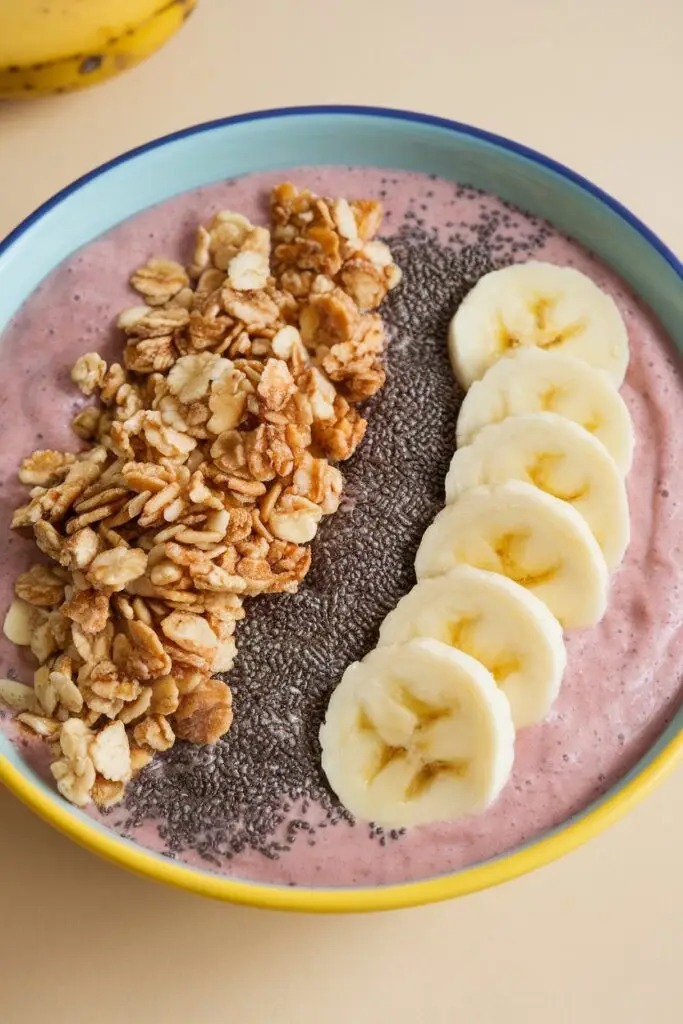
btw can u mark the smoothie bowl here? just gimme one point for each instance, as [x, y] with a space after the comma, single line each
[268, 665]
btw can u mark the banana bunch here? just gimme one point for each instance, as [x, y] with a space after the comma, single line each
[49, 46]
[536, 516]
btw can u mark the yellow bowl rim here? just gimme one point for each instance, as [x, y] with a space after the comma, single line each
[345, 900]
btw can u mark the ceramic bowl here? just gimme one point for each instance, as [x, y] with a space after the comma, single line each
[358, 136]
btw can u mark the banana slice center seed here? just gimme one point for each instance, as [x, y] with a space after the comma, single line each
[510, 554]
[546, 334]
[425, 770]
[541, 471]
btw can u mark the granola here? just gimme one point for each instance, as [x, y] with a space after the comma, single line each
[210, 465]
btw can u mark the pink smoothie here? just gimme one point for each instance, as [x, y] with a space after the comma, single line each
[623, 681]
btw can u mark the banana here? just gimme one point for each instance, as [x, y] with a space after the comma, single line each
[533, 538]
[555, 308]
[57, 47]
[494, 620]
[417, 733]
[530, 380]
[562, 459]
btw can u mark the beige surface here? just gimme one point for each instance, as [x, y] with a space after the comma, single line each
[593, 939]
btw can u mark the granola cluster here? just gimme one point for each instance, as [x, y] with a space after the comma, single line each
[210, 464]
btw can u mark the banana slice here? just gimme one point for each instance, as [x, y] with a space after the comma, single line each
[417, 733]
[530, 380]
[554, 308]
[562, 459]
[537, 540]
[497, 622]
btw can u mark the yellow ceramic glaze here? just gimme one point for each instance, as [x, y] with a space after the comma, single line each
[350, 900]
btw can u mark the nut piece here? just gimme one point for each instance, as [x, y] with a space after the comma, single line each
[205, 714]
[21, 621]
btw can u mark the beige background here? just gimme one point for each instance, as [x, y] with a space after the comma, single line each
[595, 938]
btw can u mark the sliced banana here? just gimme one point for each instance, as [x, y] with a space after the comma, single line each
[537, 540]
[554, 308]
[530, 380]
[494, 620]
[417, 733]
[562, 459]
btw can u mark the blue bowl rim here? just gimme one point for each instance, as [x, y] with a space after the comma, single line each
[389, 113]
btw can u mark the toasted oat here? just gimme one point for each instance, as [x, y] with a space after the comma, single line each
[110, 753]
[159, 280]
[89, 609]
[225, 658]
[191, 376]
[295, 518]
[105, 793]
[205, 714]
[276, 385]
[117, 567]
[39, 724]
[45, 467]
[154, 732]
[79, 549]
[227, 402]
[248, 271]
[88, 372]
[75, 779]
[140, 757]
[191, 632]
[134, 710]
[67, 693]
[165, 696]
[18, 696]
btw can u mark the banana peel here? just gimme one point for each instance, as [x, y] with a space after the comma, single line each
[108, 57]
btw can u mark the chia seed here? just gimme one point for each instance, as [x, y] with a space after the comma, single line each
[218, 801]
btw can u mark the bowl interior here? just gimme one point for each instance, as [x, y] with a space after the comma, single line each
[350, 137]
